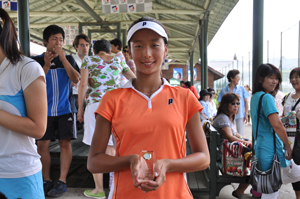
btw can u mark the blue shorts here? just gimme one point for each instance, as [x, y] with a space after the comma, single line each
[30, 187]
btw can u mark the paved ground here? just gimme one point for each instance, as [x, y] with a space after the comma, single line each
[82, 179]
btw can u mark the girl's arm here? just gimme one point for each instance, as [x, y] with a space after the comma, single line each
[280, 130]
[34, 125]
[82, 92]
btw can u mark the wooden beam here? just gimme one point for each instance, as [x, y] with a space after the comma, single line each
[13, 14]
[180, 39]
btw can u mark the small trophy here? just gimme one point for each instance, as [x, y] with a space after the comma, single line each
[146, 165]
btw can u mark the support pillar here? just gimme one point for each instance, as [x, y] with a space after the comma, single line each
[299, 45]
[203, 52]
[258, 30]
[192, 67]
[23, 26]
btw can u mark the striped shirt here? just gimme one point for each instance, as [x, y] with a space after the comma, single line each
[59, 87]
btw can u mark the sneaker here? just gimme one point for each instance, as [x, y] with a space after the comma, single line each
[47, 186]
[94, 195]
[58, 189]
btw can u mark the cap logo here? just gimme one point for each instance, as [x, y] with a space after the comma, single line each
[144, 23]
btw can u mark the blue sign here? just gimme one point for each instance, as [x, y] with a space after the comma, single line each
[9, 5]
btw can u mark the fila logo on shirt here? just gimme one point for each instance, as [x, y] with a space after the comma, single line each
[170, 101]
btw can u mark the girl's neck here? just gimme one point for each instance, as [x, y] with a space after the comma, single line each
[147, 84]
[297, 92]
[296, 95]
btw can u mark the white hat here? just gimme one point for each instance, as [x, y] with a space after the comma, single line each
[149, 25]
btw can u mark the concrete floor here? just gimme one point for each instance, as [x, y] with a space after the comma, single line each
[82, 180]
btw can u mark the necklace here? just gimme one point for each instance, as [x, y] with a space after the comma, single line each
[102, 54]
[5, 68]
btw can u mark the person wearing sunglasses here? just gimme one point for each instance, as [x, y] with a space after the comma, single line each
[129, 62]
[233, 77]
[225, 124]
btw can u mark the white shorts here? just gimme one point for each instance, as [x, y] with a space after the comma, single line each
[89, 125]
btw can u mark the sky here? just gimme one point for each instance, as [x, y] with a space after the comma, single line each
[235, 34]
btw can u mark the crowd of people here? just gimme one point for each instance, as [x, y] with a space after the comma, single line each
[234, 111]
[121, 98]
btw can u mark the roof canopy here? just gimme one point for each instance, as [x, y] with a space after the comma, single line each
[180, 17]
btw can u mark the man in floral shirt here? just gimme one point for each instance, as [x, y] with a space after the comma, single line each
[99, 74]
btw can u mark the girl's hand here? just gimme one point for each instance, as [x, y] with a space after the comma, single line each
[160, 169]
[247, 143]
[134, 167]
[289, 151]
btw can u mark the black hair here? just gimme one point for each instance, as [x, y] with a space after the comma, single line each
[263, 71]
[2, 196]
[146, 18]
[125, 47]
[188, 84]
[210, 89]
[225, 101]
[117, 42]
[295, 70]
[232, 73]
[182, 82]
[52, 30]
[101, 45]
[203, 93]
[9, 39]
[78, 37]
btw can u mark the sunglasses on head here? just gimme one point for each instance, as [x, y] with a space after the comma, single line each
[232, 103]
[125, 51]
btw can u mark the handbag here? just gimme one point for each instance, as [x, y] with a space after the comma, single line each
[291, 173]
[236, 159]
[265, 181]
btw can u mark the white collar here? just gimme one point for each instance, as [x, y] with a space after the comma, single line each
[129, 85]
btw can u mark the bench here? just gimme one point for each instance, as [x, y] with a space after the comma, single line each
[212, 180]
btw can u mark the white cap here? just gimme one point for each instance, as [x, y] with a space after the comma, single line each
[149, 25]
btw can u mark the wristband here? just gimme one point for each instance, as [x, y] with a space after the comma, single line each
[80, 109]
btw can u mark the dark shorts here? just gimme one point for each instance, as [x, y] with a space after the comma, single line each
[61, 127]
[296, 186]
